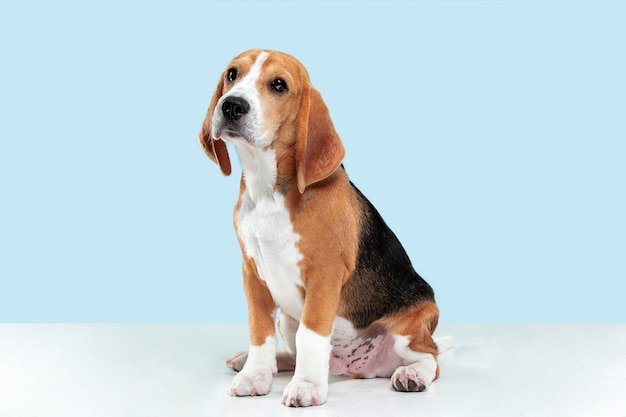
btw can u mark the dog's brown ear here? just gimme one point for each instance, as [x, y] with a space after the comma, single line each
[318, 148]
[215, 149]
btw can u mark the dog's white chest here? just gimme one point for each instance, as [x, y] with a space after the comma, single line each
[265, 229]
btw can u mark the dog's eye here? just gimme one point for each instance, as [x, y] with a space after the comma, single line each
[279, 85]
[231, 75]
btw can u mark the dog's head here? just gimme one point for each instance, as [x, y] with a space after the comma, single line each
[264, 99]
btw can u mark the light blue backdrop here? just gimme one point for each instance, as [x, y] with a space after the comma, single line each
[490, 135]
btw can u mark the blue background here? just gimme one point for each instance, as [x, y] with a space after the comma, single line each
[490, 135]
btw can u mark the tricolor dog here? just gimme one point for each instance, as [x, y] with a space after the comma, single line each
[314, 248]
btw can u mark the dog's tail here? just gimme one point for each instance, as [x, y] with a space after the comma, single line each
[444, 344]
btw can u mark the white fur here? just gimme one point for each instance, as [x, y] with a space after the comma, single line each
[288, 326]
[264, 226]
[444, 344]
[401, 346]
[343, 329]
[309, 385]
[256, 376]
[253, 129]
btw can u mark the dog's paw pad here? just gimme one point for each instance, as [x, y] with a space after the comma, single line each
[303, 394]
[407, 379]
[237, 362]
[251, 383]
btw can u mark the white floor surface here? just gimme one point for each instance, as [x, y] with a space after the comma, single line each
[178, 371]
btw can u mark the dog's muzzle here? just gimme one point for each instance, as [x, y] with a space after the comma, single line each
[230, 124]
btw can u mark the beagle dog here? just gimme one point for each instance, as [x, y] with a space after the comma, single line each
[313, 246]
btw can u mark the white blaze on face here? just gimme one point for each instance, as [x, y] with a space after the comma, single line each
[251, 125]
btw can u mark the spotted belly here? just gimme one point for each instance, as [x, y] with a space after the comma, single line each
[362, 356]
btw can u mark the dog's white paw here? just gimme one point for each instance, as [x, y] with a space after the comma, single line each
[237, 362]
[253, 383]
[408, 379]
[304, 394]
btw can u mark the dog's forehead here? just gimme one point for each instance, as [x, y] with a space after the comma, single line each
[273, 62]
[245, 60]
[285, 61]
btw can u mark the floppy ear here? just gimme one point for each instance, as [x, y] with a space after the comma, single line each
[318, 148]
[215, 149]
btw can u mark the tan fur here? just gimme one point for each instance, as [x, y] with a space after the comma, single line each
[324, 218]
[261, 306]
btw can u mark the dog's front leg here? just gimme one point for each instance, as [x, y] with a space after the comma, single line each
[255, 378]
[309, 385]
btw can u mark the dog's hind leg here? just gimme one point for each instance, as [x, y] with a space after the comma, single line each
[413, 343]
[237, 361]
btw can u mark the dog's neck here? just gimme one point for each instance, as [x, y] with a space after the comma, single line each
[259, 170]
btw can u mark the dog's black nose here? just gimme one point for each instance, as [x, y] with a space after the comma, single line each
[234, 107]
